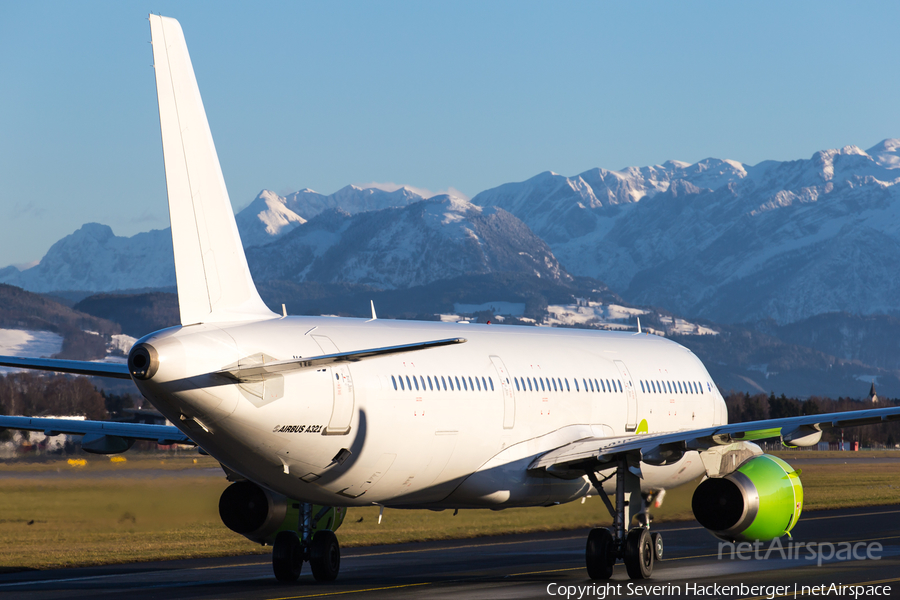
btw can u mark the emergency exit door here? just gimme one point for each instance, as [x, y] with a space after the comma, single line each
[342, 384]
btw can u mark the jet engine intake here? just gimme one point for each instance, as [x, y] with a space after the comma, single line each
[259, 514]
[761, 500]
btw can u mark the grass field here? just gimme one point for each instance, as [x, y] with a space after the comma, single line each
[154, 507]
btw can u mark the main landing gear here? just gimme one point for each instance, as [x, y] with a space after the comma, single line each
[638, 548]
[292, 549]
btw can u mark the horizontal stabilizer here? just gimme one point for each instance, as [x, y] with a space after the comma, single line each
[260, 371]
[77, 367]
[161, 434]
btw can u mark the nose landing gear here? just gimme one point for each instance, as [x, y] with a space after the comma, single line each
[291, 549]
[638, 548]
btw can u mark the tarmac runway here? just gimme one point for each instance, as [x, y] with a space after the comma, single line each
[526, 566]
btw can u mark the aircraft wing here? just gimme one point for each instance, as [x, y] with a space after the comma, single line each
[161, 434]
[257, 371]
[78, 367]
[575, 458]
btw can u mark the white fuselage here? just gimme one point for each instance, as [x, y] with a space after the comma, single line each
[454, 427]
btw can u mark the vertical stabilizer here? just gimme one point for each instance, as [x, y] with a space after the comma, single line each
[214, 282]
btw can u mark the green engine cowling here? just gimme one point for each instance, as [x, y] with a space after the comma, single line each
[259, 514]
[761, 500]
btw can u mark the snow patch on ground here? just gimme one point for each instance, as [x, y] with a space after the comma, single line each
[21, 342]
[610, 316]
[120, 344]
[682, 327]
[500, 307]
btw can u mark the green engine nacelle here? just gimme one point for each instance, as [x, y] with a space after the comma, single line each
[761, 500]
[259, 514]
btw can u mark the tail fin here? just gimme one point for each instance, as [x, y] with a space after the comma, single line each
[214, 282]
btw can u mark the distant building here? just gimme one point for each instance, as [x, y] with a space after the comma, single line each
[872, 395]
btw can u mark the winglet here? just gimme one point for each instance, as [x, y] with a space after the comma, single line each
[211, 273]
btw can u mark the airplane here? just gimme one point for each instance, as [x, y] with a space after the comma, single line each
[309, 416]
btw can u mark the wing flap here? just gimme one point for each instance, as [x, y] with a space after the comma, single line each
[575, 458]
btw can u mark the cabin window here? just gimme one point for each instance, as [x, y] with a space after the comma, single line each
[529, 384]
[568, 389]
[671, 387]
[701, 387]
[575, 381]
[444, 383]
[680, 390]
[592, 385]
[554, 385]
[491, 381]
[464, 387]
[603, 384]
[642, 386]
[471, 387]
[337, 377]
[517, 384]
[430, 387]
[478, 383]
[584, 381]
[484, 383]
[408, 383]
[459, 387]
[619, 381]
[394, 380]
[416, 381]
[542, 384]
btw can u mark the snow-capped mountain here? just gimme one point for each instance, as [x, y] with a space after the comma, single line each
[265, 219]
[93, 258]
[350, 199]
[726, 241]
[560, 209]
[434, 239]
[430, 240]
[716, 239]
[270, 216]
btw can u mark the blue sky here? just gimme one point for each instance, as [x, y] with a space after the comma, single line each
[463, 95]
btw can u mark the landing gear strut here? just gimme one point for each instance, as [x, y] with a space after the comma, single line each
[292, 549]
[638, 548]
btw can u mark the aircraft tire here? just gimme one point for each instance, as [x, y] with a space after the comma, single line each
[325, 556]
[657, 541]
[287, 556]
[600, 554]
[639, 553]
